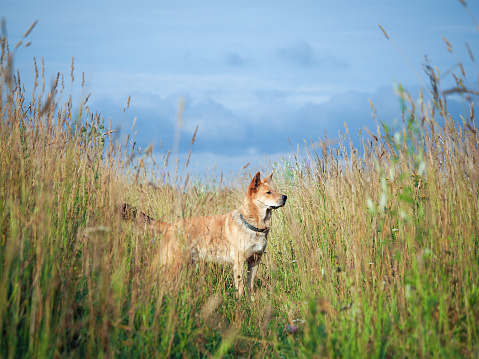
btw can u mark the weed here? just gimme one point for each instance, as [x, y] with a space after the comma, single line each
[375, 255]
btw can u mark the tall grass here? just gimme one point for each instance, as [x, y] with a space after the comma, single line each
[374, 255]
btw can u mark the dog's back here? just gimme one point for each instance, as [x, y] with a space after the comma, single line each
[201, 237]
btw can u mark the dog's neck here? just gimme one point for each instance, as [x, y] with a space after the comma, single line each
[258, 217]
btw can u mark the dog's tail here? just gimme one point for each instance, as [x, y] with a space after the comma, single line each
[130, 213]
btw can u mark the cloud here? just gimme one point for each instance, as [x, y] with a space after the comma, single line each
[233, 59]
[155, 121]
[301, 54]
[219, 129]
[314, 121]
[250, 137]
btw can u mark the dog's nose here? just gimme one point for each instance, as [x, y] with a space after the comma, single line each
[284, 198]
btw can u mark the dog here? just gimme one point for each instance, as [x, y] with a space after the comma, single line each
[236, 237]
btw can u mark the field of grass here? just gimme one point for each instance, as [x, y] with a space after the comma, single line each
[374, 255]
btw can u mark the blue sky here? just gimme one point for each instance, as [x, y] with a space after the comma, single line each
[255, 76]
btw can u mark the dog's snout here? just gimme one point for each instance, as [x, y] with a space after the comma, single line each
[284, 198]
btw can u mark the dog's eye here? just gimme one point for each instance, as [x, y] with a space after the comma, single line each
[269, 192]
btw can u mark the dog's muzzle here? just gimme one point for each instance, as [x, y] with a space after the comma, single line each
[284, 198]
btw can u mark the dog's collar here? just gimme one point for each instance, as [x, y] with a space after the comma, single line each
[253, 228]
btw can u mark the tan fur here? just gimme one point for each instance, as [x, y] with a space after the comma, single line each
[222, 238]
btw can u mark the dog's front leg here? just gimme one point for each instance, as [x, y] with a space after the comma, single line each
[252, 270]
[238, 276]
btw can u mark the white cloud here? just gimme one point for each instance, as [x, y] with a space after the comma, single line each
[253, 74]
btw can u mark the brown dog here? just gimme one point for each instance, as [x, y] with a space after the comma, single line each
[236, 237]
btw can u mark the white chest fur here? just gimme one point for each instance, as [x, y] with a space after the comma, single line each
[256, 245]
[251, 242]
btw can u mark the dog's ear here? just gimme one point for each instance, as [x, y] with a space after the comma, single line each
[255, 182]
[269, 178]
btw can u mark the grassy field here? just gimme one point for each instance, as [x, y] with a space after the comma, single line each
[374, 255]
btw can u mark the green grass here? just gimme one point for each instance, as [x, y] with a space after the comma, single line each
[374, 255]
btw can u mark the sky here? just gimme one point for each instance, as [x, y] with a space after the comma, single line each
[258, 78]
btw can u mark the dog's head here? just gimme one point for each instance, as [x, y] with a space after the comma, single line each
[262, 194]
